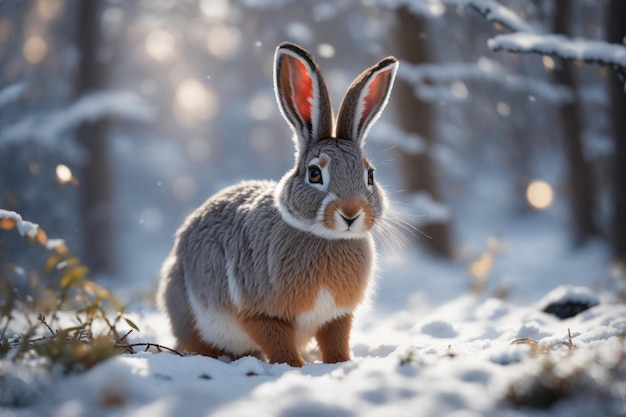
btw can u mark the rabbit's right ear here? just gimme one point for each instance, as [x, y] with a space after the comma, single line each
[302, 95]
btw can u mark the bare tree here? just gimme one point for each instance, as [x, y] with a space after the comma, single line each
[582, 199]
[417, 116]
[97, 216]
[617, 84]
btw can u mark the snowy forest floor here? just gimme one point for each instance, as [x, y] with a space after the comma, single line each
[426, 346]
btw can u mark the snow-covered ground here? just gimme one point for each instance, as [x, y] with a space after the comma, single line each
[426, 346]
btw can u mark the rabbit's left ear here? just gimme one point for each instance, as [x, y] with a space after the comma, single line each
[365, 100]
[302, 95]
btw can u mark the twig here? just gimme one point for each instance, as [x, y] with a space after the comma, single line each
[126, 335]
[42, 319]
[148, 345]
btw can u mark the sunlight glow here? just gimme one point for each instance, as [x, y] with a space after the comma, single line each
[35, 49]
[160, 44]
[49, 9]
[223, 41]
[261, 107]
[539, 194]
[326, 50]
[459, 90]
[436, 7]
[64, 174]
[196, 100]
[503, 109]
[548, 62]
[215, 9]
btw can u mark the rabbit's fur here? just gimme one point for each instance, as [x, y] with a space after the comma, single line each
[262, 267]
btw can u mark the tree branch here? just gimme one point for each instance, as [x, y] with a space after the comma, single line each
[559, 46]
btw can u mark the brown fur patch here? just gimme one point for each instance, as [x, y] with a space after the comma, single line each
[333, 339]
[366, 163]
[368, 220]
[329, 215]
[276, 337]
[349, 209]
[323, 160]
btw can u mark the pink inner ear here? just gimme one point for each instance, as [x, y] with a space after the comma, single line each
[374, 95]
[302, 88]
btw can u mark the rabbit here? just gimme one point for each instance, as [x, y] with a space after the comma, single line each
[263, 267]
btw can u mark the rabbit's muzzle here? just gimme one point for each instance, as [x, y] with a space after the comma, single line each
[348, 215]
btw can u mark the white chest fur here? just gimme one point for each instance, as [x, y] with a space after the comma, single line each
[310, 321]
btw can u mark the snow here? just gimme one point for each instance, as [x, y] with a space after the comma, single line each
[24, 227]
[562, 46]
[427, 347]
[125, 105]
[12, 93]
[496, 13]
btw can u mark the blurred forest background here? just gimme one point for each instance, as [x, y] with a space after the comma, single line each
[117, 118]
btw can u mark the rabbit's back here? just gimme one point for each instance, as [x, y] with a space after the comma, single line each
[229, 227]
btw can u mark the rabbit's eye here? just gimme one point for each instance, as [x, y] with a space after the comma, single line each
[370, 176]
[315, 175]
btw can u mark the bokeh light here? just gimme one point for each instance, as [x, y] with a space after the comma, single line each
[196, 100]
[64, 174]
[261, 107]
[326, 50]
[35, 49]
[215, 9]
[49, 9]
[160, 44]
[503, 109]
[459, 90]
[548, 62]
[223, 41]
[539, 194]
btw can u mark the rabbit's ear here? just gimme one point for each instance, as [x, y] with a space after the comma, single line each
[365, 100]
[302, 94]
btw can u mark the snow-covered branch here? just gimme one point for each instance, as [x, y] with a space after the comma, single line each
[12, 93]
[11, 219]
[427, 79]
[46, 128]
[496, 13]
[595, 52]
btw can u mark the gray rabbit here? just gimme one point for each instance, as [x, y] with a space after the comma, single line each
[262, 267]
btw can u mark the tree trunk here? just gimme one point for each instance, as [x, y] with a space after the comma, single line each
[617, 85]
[95, 179]
[582, 198]
[417, 116]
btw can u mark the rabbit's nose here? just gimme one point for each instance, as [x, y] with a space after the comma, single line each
[349, 221]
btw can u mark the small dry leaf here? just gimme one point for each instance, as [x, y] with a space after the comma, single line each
[131, 324]
[51, 263]
[7, 224]
[42, 238]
